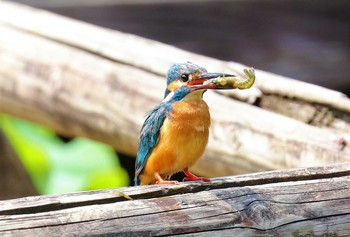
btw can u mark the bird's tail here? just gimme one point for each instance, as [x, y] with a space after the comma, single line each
[137, 180]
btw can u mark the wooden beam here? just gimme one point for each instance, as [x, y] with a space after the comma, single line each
[83, 80]
[300, 202]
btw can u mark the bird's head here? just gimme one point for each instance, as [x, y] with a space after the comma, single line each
[190, 75]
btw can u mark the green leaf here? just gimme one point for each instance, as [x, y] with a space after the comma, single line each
[58, 167]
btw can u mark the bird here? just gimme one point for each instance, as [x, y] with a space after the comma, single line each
[175, 133]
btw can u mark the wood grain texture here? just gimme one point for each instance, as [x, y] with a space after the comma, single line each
[82, 80]
[301, 202]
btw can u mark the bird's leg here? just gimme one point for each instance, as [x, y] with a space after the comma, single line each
[192, 177]
[160, 180]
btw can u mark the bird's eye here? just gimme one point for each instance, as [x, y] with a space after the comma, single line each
[184, 77]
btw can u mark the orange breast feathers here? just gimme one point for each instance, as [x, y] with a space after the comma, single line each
[183, 138]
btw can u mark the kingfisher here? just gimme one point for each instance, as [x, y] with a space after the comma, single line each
[175, 133]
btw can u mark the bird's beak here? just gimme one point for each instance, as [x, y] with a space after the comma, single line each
[198, 81]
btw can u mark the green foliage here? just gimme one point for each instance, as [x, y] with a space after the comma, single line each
[58, 167]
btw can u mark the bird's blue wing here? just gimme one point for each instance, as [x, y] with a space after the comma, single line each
[149, 138]
[149, 135]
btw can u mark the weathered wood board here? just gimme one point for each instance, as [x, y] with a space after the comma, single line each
[301, 202]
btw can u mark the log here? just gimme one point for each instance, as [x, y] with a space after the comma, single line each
[83, 80]
[300, 202]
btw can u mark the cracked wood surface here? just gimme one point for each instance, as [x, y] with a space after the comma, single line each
[300, 202]
[83, 80]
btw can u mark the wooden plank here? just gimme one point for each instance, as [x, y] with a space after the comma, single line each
[281, 203]
[25, 205]
[82, 80]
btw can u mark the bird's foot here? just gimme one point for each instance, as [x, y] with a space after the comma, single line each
[160, 180]
[192, 177]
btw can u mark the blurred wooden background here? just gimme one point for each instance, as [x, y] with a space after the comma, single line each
[297, 39]
[305, 40]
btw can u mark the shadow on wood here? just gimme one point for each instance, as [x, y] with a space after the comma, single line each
[300, 202]
[14, 180]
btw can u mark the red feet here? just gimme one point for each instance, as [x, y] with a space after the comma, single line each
[160, 180]
[192, 177]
